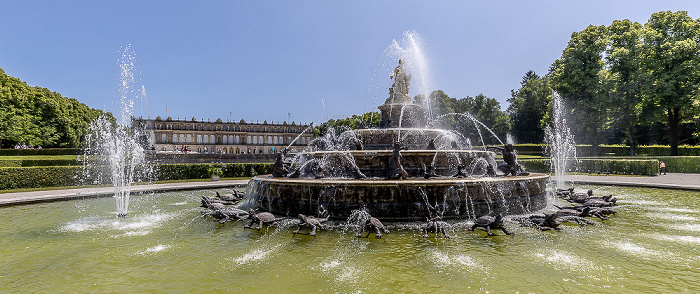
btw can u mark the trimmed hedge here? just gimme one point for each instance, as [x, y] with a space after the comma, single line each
[613, 150]
[45, 151]
[39, 177]
[199, 171]
[38, 162]
[681, 164]
[58, 176]
[646, 167]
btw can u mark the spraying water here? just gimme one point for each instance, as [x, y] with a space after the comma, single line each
[114, 146]
[560, 141]
[411, 50]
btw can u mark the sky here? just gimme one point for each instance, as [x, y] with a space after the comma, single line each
[303, 61]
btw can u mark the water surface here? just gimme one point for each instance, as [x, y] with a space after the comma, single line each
[651, 245]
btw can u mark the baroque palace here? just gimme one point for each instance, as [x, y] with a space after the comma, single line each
[183, 136]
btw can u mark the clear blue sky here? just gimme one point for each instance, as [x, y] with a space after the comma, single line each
[260, 60]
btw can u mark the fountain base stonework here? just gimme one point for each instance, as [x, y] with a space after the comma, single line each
[400, 200]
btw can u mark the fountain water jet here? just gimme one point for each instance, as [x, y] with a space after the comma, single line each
[115, 151]
[559, 141]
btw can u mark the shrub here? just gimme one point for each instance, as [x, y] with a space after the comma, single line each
[647, 167]
[45, 151]
[614, 150]
[58, 176]
[681, 164]
[202, 170]
[38, 177]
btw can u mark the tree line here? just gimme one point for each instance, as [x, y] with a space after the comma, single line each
[625, 83]
[36, 116]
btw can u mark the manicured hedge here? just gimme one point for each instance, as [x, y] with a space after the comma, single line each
[646, 167]
[681, 164]
[38, 177]
[57, 176]
[38, 162]
[200, 170]
[46, 151]
[613, 150]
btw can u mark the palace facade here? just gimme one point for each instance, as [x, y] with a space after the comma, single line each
[192, 136]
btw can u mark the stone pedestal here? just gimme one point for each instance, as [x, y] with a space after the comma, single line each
[405, 115]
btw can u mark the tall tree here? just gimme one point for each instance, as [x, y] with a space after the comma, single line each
[625, 77]
[37, 116]
[671, 42]
[577, 77]
[484, 109]
[528, 105]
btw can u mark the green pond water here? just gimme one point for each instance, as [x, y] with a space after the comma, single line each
[651, 245]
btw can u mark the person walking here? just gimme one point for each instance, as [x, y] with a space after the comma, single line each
[662, 168]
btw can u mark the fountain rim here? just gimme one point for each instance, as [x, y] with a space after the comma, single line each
[403, 152]
[408, 182]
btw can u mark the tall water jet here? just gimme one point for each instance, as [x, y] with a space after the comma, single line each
[559, 141]
[113, 152]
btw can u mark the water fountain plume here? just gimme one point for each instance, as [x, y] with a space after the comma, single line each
[559, 141]
[114, 149]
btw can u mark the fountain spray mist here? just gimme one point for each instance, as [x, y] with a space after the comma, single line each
[559, 141]
[112, 147]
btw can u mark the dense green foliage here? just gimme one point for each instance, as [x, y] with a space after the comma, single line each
[681, 164]
[456, 112]
[201, 171]
[646, 167]
[38, 177]
[611, 150]
[29, 161]
[528, 106]
[629, 77]
[41, 152]
[369, 119]
[59, 176]
[37, 116]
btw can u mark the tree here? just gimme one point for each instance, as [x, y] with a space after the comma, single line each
[37, 116]
[456, 114]
[670, 46]
[625, 78]
[369, 119]
[528, 106]
[577, 77]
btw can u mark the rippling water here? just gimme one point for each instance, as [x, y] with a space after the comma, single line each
[651, 245]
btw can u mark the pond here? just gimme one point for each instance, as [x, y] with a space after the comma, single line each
[651, 245]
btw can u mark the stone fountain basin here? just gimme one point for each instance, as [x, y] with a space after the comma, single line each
[401, 200]
[373, 163]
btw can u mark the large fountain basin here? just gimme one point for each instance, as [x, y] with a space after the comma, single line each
[401, 199]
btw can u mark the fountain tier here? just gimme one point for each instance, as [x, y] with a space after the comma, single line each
[401, 199]
[373, 163]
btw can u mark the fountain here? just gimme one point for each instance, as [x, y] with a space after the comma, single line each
[559, 141]
[165, 245]
[399, 171]
[114, 150]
